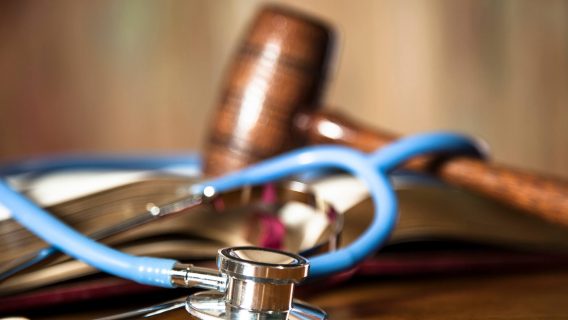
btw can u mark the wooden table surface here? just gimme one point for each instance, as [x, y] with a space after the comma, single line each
[539, 295]
[530, 295]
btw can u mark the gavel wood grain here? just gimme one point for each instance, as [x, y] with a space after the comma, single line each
[269, 106]
[278, 70]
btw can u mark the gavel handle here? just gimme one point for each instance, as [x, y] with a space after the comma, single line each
[546, 197]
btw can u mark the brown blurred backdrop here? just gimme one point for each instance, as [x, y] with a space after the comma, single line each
[120, 76]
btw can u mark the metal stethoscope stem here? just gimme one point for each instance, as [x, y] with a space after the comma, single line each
[251, 283]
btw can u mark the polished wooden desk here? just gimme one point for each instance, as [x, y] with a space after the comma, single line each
[538, 295]
[531, 295]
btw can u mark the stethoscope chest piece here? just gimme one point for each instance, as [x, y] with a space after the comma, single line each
[260, 285]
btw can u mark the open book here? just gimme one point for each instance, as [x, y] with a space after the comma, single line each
[300, 217]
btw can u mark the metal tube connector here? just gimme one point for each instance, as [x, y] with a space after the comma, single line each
[188, 276]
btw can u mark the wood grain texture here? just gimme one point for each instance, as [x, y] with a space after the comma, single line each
[278, 69]
[532, 295]
[544, 196]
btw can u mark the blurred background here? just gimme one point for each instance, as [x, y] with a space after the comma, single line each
[131, 76]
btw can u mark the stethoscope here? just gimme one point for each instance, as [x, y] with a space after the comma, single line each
[250, 283]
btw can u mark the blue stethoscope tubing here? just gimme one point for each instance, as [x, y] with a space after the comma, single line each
[372, 169]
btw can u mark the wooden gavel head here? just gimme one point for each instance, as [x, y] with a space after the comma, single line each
[279, 70]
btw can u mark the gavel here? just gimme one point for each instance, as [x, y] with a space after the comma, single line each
[270, 104]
